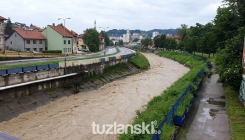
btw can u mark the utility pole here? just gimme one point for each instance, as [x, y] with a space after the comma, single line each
[65, 49]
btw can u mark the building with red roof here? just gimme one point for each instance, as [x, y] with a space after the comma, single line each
[2, 37]
[26, 40]
[59, 38]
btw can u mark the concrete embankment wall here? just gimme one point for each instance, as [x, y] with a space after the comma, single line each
[81, 70]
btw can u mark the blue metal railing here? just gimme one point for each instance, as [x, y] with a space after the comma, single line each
[28, 69]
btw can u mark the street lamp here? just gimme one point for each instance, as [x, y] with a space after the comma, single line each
[65, 49]
[104, 34]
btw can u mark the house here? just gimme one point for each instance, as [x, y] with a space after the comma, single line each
[102, 42]
[2, 37]
[81, 44]
[20, 25]
[58, 38]
[74, 41]
[25, 40]
[177, 38]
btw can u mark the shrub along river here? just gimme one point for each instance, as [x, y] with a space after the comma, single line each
[72, 117]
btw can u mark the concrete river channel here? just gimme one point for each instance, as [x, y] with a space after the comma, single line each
[72, 117]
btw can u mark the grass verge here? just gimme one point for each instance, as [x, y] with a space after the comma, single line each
[160, 105]
[140, 61]
[236, 114]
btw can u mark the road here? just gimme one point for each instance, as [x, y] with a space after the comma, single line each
[123, 51]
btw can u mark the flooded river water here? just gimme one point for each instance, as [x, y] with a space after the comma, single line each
[71, 117]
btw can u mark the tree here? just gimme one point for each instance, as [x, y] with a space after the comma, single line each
[157, 42]
[106, 37]
[180, 45]
[182, 31]
[111, 43]
[146, 42]
[120, 42]
[230, 30]
[162, 41]
[171, 44]
[8, 28]
[91, 39]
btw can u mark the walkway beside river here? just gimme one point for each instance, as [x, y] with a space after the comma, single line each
[211, 120]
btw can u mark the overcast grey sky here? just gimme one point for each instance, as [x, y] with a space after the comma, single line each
[116, 14]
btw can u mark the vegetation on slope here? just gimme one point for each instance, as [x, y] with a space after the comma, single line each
[140, 61]
[160, 105]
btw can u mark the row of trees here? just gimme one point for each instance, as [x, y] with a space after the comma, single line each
[163, 42]
[224, 36]
[201, 38]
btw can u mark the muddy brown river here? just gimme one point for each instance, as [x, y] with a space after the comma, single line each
[71, 117]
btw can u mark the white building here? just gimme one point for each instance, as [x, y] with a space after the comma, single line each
[154, 34]
[126, 37]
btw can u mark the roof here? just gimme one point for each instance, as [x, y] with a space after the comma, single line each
[80, 36]
[2, 18]
[34, 27]
[174, 37]
[41, 29]
[29, 34]
[60, 29]
[74, 33]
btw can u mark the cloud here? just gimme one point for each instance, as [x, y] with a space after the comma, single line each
[117, 14]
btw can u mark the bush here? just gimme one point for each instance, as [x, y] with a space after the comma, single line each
[140, 61]
[52, 51]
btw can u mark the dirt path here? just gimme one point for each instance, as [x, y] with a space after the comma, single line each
[71, 117]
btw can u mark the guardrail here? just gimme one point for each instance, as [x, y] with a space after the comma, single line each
[28, 69]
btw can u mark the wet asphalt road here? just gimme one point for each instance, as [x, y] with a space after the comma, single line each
[207, 119]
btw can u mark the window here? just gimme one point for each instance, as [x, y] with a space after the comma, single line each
[15, 35]
[10, 42]
[35, 49]
[69, 42]
[40, 42]
[40, 49]
[34, 42]
[27, 49]
[64, 41]
[27, 41]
